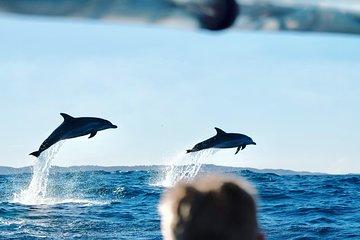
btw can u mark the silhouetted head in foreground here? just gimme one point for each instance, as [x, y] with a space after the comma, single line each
[210, 208]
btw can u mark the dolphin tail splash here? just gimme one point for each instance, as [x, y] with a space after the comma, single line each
[36, 153]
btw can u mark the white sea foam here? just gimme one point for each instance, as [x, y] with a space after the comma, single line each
[183, 167]
[8, 222]
[57, 200]
[36, 192]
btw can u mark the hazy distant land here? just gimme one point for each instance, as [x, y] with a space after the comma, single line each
[206, 167]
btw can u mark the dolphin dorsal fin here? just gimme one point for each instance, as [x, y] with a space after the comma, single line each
[66, 117]
[219, 131]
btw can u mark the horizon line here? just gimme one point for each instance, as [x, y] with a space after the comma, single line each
[165, 165]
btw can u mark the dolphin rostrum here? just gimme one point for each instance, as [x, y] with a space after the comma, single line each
[72, 128]
[224, 140]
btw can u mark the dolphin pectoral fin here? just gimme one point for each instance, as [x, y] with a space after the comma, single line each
[237, 150]
[92, 134]
[243, 147]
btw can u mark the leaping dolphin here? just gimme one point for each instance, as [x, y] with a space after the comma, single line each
[224, 140]
[72, 128]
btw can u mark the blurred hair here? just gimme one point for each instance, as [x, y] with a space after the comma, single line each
[210, 208]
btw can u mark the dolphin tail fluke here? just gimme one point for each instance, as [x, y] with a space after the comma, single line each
[188, 151]
[36, 153]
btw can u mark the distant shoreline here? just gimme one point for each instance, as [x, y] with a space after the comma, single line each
[206, 167]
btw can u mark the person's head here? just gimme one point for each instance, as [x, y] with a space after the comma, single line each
[210, 208]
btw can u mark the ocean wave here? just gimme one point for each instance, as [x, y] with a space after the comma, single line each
[123, 205]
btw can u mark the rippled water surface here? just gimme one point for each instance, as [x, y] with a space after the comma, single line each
[123, 205]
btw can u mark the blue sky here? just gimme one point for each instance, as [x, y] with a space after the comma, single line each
[297, 95]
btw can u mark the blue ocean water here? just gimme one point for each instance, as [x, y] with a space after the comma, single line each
[123, 205]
